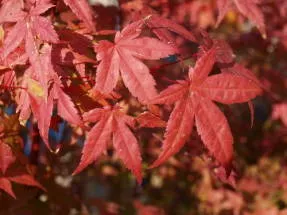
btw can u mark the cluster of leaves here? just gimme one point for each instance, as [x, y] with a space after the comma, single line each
[122, 87]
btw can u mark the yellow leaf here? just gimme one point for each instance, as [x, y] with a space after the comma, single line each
[2, 34]
[231, 17]
[35, 88]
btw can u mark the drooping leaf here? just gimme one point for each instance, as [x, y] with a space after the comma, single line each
[42, 111]
[111, 122]
[65, 106]
[214, 130]
[179, 128]
[126, 144]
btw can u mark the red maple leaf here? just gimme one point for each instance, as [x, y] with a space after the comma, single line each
[123, 57]
[111, 122]
[33, 97]
[29, 23]
[193, 99]
[32, 26]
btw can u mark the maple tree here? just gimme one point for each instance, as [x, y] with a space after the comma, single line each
[151, 75]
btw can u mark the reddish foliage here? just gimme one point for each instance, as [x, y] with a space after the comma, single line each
[138, 74]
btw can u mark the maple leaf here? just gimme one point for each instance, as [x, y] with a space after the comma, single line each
[11, 10]
[33, 97]
[30, 24]
[193, 99]
[247, 8]
[20, 178]
[42, 109]
[111, 122]
[123, 57]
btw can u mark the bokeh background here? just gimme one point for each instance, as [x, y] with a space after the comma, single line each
[189, 183]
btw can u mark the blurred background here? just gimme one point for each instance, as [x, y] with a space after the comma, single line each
[190, 182]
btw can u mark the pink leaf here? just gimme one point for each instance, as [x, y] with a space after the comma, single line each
[44, 28]
[11, 10]
[13, 39]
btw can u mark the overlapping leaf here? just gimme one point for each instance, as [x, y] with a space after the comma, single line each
[34, 97]
[123, 57]
[193, 99]
[111, 122]
[30, 24]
